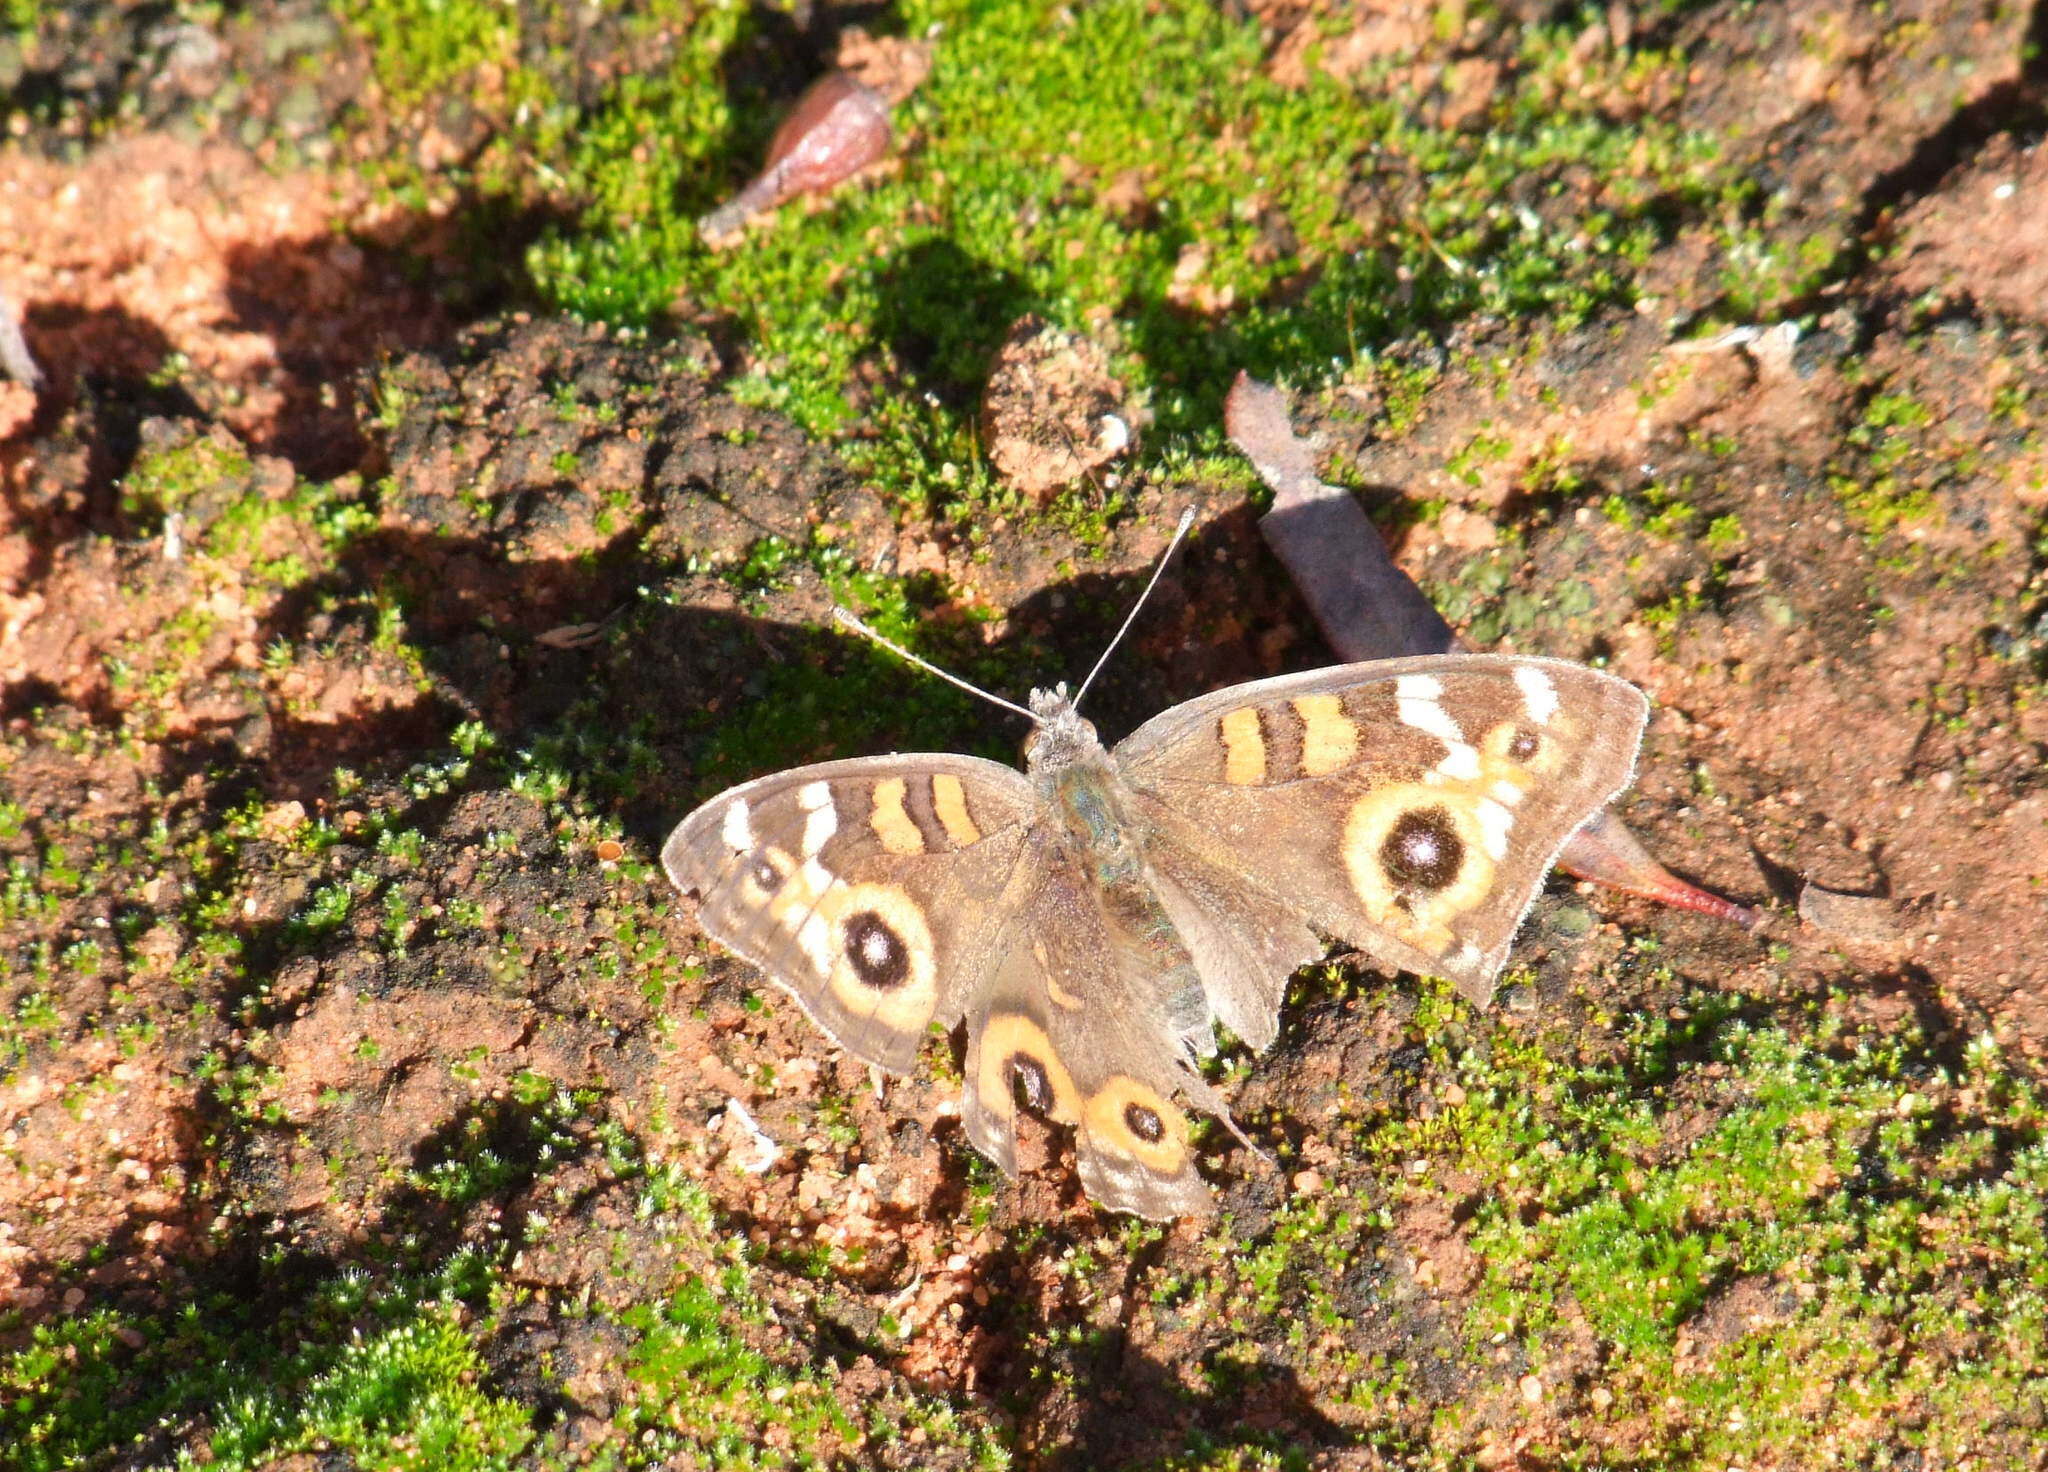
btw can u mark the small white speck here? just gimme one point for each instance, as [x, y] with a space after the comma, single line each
[766, 1151]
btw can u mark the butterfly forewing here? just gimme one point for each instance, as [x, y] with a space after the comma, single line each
[1408, 807]
[867, 889]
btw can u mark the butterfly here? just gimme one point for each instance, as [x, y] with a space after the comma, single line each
[1092, 918]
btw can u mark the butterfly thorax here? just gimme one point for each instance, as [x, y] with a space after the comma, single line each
[1073, 773]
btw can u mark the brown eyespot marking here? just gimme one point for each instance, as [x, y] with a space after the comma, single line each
[1418, 857]
[762, 873]
[1132, 1119]
[1013, 1052]
[1512, 750]
[1422, 850]
[1031, 1077]
[875, 952]
[870, 942]
[1144, 1123]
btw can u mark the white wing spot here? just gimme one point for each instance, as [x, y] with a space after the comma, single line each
[1424, 714]
[1538, 693]
[1418, 708]
[1460, 763]
[1495, 822]
[815, 937]
[815, 798]
[736, 830]
[1506, 793]
[817, 878]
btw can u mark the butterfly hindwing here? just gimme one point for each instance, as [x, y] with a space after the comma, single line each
[1085, 1018]
[1408, 807]
[867, 889]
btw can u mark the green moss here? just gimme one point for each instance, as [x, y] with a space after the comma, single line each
[1724, 534]
[34, 1020]
[1883, 1202]
[398, 1389]
[1481, 599]
[703, 1390]
[22, 15]
[404, 1398]
[1738, 1235]
[1247, 248]
[1484, 448]
[1764, 267]
[1894, 479]
[167, 478]
[426, 47]
[1625, 1179]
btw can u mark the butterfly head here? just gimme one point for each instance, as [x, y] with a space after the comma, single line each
[1062, 737]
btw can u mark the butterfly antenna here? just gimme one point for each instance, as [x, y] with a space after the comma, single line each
[846, 620]
[1187, 519]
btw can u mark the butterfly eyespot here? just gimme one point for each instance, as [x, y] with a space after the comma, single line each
[1423, 850]
[1417, 859]
[1524, 744]
[1015, 1056]
[766, 870]
[1144, 1123]
[877, 954]
[1032, 1080]
[1133, 1119]
[871, 945]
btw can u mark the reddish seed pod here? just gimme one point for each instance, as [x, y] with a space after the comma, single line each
[1606, 852]
[836, 129]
